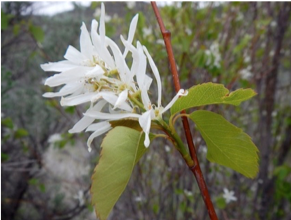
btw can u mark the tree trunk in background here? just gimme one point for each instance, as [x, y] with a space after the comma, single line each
[266, 185]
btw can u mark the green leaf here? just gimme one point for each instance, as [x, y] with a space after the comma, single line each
[227, 144]
[121, 149]
[42, 187]
[16, 29]
[4, 20]
[70, 109]
[7, 122]
[33, 181]
[19, 133]
[36, 32]
[211, 93]
[242, 44]
[220, 202]
[4, 157]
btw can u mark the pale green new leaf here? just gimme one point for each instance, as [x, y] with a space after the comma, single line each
[227, 144]
[37, 32]
[211, 93]
[121, 149]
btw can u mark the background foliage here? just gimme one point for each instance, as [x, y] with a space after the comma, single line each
[46, 172]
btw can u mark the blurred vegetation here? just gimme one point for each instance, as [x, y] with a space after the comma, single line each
[46, 172]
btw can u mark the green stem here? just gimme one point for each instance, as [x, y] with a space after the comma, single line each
[135, 101]
[177, 142]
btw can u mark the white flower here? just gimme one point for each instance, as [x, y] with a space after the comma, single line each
[160, 41]
[273, 24]
[188, 193]
[55, 138]
[240, 16]
[139, 199]
[153, 112]
[80, 197]
[130, 5]
[85, 73]
[167, 148]
[213, 55]
[228, 195]
[274, 114]
[146, 31]
[188, 31]
[203, 149]
[97, 13]
[246, 73]
[99, 74]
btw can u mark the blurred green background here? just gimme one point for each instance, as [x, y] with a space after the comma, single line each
[45, 171]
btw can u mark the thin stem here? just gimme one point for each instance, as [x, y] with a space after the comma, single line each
[177, 142]
[196, 168]
[135, 101]
[174, 118]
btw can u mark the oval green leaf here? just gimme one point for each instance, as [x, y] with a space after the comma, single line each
[211, 93]
[36, 32]
[227, 144]
[121, 149]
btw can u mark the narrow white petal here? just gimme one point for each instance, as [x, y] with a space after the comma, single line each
[67, 76]
[99, 106]
[129, 46]
[58, 66]
[86, 121]
[112, 99]
[145, 123]
[125, 74]
[66, 90]
[156, 73]
[147, 82]
[102, 23]
[95, 36]
[111, 111]
[94, 27]
[181, 92]
[74, 56]
[119, 60]
[141, 75]
[133, 50]
[101, 49]
[97, 126]
[108, 116]
[132, 28]
[131, 33]
[76, 100]
[99, 131]
[60, 79]
[85, 42]
[82, 124]
[106, 56]
[96, 71]
[121, 98]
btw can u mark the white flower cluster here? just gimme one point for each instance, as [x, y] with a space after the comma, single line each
[99, 75]
[246, 73]
[213, 55]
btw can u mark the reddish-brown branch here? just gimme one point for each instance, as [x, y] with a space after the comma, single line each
[196, 169]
